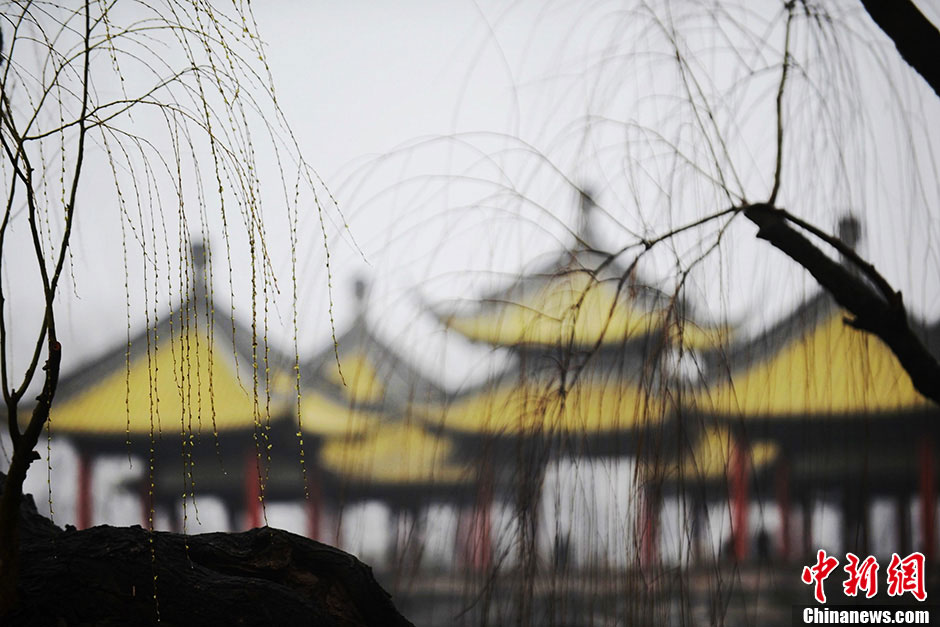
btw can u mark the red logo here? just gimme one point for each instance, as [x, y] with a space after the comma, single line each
[904, 575]
[862, 576]
[907, 575]
[817, 574]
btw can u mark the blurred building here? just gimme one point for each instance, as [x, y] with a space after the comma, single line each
[621, 410]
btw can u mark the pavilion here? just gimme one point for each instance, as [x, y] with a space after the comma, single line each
[591, 379]
[842, 416]
[180, 392]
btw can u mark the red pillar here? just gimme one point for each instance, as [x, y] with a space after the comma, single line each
[480, 550]
[84, 504]
[649, 528]
[252, 491]
[782, 481]
[473, 528]
[739, 500]
[928, 498]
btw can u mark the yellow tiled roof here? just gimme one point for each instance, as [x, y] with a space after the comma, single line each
[573, 308]
[711, 457]
[833, 369]
[396, 453]
[325, 416]
[587, 407]
[360, 378]
[187, 383]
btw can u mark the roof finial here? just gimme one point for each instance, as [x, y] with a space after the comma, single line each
[585, 232]
[200, 255]
[360, 287]
[850, 230]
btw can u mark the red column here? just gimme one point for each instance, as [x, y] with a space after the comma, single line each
[473, 528]
[252, 491]
[84, 505]
[479, 532]
[928, 498]
[649, 528]
[783, 505]
[739, 500]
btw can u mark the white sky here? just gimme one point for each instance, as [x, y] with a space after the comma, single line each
[358, 80]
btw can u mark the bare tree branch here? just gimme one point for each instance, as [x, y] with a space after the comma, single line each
[915, 37]
[886, 318]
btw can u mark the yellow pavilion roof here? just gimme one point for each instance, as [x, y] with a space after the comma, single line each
[345, 399]
[185, 381]
[358, 374]
[710, 459]
[371, 385]
[324, 414]
[397, 453]
[528, 407]
[333, 405]
[832, 368]
[575, 308]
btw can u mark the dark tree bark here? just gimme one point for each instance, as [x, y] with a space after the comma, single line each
[105, 576]
[915, 37]
[877, 308]
[879, 311]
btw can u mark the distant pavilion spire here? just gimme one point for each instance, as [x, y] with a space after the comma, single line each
[850, 230]
[199, 253]
[586, 207]
[360, 290]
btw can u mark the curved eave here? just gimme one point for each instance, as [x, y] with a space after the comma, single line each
[834, 370]
[187, 383]
[574, 310]
[529, 409]
[710, 460]
[370, 377]
[358, 375]
[326, 416]
[394, 454]
[706, 470]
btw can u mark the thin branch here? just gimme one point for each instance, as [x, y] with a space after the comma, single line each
[885, 318]
[780, 93]
[82, 132]
[846, 251]
[4, 374]
[914, 36]
[648, 243]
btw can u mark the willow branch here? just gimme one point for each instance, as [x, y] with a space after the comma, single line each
[780, 93]
[914, 36]
[884, 317]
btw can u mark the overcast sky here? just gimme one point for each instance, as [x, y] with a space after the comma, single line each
[420, 114]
